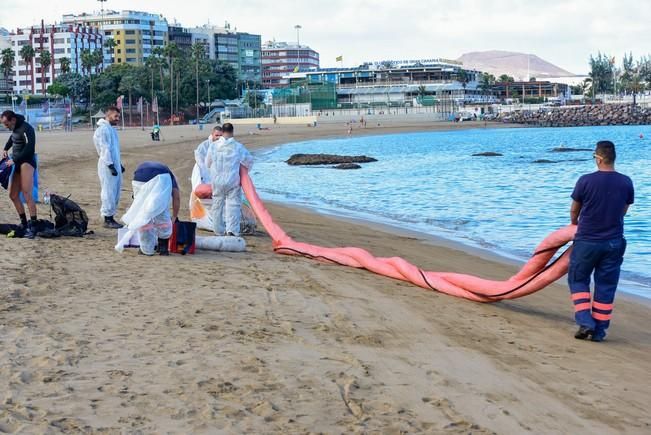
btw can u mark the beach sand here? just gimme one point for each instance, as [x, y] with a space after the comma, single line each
[99, 342]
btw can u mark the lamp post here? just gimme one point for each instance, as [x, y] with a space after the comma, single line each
[298, 46]
[209, 101]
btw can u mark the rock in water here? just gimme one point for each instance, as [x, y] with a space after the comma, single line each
[544, 161]
[347, 166]
[569, 150]
[326, 159]
[487, 154]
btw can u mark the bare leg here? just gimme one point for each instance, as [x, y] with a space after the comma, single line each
[27, 185]
[14, 192]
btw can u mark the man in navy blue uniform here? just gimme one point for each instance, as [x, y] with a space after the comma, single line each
[599, 202]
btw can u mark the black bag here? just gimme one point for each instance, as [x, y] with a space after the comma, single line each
[69, 218]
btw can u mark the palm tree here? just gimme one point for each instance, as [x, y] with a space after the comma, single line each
[110, 45]
[7, 64]
[65, 65]
[87, 62]
[198, 52]
[27, 54]
[172, 52]
[127, 84]
[46, 61]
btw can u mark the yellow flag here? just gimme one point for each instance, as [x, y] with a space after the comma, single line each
[296, 68]
[339, 59]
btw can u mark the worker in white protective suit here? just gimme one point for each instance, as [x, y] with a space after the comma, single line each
[154, 185]
[109, 165]
[201, 153]
[224, 160]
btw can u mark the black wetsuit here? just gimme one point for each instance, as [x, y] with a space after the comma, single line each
[23, 141]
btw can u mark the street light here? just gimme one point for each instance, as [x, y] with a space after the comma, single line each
[298, 46]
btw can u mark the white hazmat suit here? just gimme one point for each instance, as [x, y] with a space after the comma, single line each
[108, 149]
[200, 155]
[224, 160]
[149, 215]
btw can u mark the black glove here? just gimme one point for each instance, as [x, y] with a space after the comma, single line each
[122, 168]
[114, 171]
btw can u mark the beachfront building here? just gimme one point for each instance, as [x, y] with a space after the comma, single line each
[281, 58]
[135, 34]
[61, 41]
[240, 50]
[532, 90]
[409, 83]
[6, 79]
[180, 36]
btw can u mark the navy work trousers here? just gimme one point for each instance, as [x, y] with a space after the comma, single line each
[604, 258]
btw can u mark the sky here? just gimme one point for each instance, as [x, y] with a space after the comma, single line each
[563, 32]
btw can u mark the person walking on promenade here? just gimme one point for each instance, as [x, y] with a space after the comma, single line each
[109, 166]
[23, 158]
[599, 202]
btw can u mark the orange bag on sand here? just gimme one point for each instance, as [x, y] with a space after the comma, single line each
[541, 270]
[203, 191]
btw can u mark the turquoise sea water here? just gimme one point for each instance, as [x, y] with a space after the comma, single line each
[431, 183]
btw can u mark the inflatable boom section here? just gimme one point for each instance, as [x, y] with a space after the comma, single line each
[541, 270]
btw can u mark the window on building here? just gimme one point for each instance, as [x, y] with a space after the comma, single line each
[131, 51]
[119, 50]
[59, 50]
[130, 41]
[117, 32]
[59, 40]
[131, 59]
[119, 60]
[108, 33]
[129, 32]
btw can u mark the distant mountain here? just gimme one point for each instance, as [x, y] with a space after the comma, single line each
[514, 64]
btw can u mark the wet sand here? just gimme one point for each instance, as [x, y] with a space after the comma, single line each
[99, 342]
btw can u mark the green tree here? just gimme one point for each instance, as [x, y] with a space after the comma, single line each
[46, 61]
[27, 54]
[486, 82]
[602, 73]
[198, 51]
[7, 63]
[58, 88]
[172, 52]
[64, 64]
[128, 84]
[110, 45]
[505, 78]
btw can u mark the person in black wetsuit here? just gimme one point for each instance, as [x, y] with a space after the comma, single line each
[23, 142]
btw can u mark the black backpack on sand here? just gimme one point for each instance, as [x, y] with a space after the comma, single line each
[69, 218]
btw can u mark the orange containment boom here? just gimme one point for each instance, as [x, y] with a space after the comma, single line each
[540, 271]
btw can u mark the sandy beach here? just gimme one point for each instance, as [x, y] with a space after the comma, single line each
[92, 341]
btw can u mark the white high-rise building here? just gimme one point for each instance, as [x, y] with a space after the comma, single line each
[134, 33]
[62, 42]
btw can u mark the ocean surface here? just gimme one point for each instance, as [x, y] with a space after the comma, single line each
[431, 183]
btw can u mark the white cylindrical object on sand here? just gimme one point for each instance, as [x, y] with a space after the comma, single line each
[221, 243]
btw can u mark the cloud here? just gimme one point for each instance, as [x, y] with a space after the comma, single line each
[564, 32]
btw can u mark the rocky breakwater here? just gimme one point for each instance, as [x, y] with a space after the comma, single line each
[602, 114]
[341, 162]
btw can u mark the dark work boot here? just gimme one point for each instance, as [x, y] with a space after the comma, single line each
[163, 248]
[583, 333]
[109, 222]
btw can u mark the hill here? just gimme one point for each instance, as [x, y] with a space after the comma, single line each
[499, 62]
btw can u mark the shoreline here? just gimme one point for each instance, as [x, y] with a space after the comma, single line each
[92, 340]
